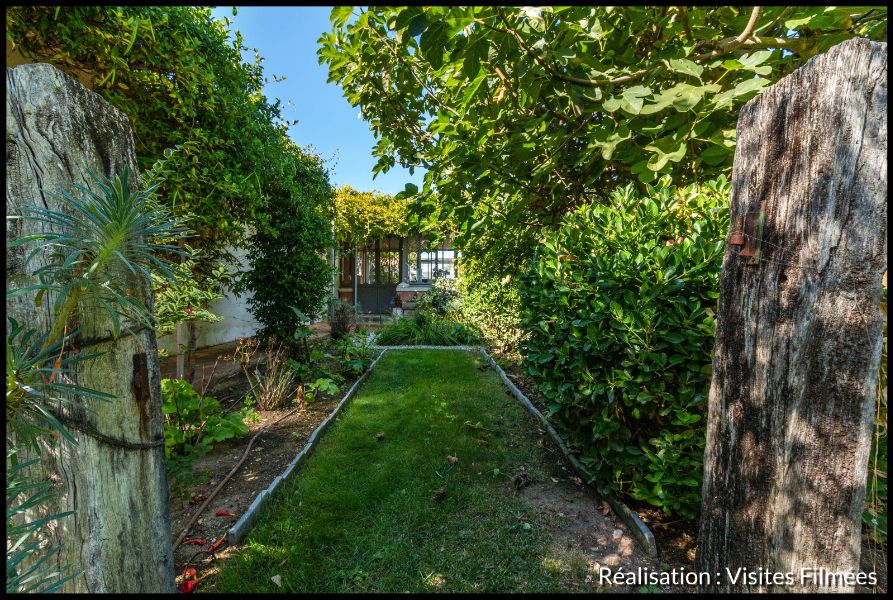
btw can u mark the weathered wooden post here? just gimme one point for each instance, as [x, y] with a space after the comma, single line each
[798, 338]
[114, 480]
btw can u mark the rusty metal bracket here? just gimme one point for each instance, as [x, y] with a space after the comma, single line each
[747, 232]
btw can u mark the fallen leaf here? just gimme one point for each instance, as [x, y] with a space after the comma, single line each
[224, 513]
[482, 442]
[604, 508]
[277, 579]
[439, 495]
[452, 459]
[380, 436]
[616, 535]
[196, 541]
[216, 544]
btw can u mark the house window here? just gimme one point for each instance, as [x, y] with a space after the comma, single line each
[378, 262]
[389, 260]
[426, 263]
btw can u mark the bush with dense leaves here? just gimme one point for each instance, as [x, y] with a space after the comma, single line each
[179, 75]
[618, 304]
[490, 303]
[192, 422]
[288, 268]
[425, 328]
[441, 300]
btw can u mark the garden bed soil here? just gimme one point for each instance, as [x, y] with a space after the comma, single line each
[271, 453]
[269, 456]
[676, 536]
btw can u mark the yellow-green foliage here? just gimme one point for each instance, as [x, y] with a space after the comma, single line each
[362, 216]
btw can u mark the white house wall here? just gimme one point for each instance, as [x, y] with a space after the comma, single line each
[237, 319]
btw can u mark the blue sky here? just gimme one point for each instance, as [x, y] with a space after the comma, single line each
[285, 36]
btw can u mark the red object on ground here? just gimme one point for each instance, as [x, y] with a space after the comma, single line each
[189, 573]
[216, 544]
[224, 513]
[187, 586]
[197, 541]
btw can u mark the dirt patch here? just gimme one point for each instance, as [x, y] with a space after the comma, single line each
[584, 532]
[584, 521]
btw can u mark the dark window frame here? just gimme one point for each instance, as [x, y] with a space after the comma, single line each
[377, 258]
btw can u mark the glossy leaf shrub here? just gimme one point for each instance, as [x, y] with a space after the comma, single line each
[519, 114]
[618, 305]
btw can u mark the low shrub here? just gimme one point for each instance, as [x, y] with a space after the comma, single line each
[194, 423]
[427, 329]
[441, 300]
[355, 352]
[618, 305]
[343, 319]
[272, 384]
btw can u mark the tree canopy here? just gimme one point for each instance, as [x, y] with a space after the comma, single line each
[519, 114]
[179, 76]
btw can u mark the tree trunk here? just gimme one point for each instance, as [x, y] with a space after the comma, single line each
[114, 479]
[798, 338]
[191, 342]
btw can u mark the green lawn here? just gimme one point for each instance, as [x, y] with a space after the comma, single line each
[360, 516]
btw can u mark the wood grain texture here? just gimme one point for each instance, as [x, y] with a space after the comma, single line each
[799, 334]
[119, 536]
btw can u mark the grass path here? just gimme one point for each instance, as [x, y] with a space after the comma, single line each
[363, 515]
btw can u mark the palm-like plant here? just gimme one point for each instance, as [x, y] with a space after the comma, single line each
[107, 244]
[101, 251]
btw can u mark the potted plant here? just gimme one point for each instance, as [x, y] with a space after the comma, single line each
[396, 304]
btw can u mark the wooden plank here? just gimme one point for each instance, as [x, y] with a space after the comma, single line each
[798, 338]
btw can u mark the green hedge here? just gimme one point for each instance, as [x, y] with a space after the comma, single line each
[490, 302]
[618, 306]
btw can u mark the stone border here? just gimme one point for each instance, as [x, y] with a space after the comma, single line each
[632, 520]
[628, 516]
[240, 529]
[422, 347]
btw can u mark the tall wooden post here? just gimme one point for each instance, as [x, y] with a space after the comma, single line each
[798, 338]
[114, 480]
